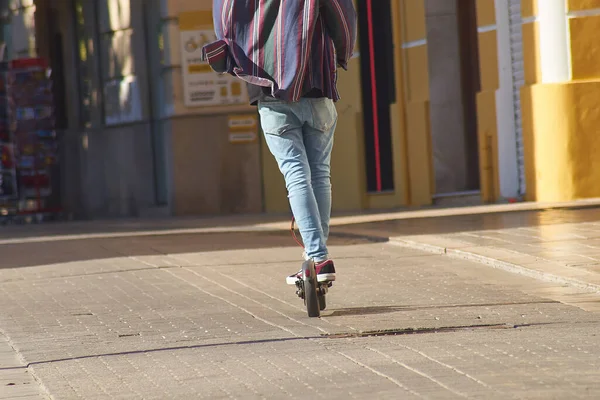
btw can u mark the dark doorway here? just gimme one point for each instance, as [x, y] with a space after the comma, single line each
[471, 84]
[452, 41]
[378, 91]
[49, 46]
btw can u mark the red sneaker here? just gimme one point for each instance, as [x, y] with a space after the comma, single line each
[325, 273]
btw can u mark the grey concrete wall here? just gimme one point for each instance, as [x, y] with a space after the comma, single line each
[447, 119]
[107, 171]
[117, 171]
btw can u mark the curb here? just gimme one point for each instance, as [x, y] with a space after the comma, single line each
[497, 264]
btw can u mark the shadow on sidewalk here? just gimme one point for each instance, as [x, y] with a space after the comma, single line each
[33, 253]
[63, 251]
[342, 312]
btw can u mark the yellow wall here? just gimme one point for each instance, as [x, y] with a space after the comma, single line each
[415, 76]
[410, 129]
[558, 147]
[487, 127]
[560, 120]
[347, 160]
[531, 42]
[560, 123]
[585, 51]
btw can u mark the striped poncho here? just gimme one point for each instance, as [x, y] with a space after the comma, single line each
[289, 46]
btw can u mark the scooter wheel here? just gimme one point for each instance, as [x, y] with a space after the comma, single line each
[311, 299]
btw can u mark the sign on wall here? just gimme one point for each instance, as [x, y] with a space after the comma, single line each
[243, 128]
[201, 85]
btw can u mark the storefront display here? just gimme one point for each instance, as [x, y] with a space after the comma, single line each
[8, 175]
[28, 145]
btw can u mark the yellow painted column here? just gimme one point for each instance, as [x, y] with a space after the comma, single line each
[561, 117]
[418, 170]
[348, 178]
[487, 118]
[408, 23]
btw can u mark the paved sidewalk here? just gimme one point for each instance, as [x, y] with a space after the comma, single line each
[15, 380]
[561, 246]
[208, 316]
[174, 311]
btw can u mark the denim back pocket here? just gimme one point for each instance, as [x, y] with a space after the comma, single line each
[324, 114]
[276, 117]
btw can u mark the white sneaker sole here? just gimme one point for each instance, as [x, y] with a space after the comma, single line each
[325, 277]
[291, 280]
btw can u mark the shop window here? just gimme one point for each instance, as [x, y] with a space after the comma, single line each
[121, 87]
[85, 47]
[109, 89]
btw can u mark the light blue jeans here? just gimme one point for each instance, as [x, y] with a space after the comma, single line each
[300, 136]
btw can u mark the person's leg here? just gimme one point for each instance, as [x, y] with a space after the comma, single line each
[320, 118]
[318, 141]
[282, 124]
